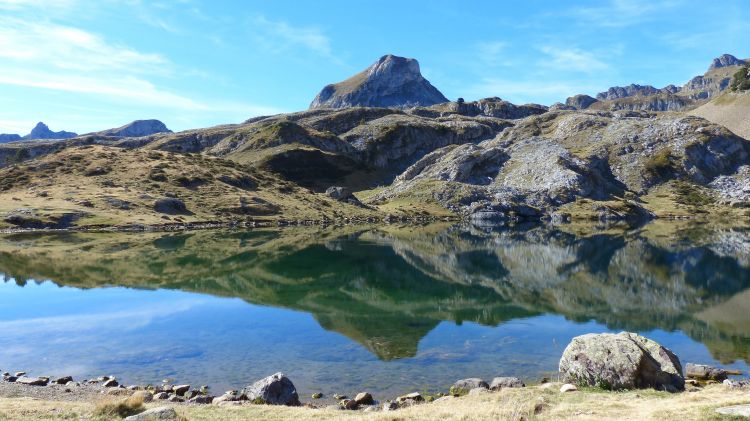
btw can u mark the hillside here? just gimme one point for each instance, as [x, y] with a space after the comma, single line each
[731, 110]
[487, 161]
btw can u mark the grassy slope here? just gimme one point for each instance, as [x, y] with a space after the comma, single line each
[731, 110]
[508, 404]
[70, 182]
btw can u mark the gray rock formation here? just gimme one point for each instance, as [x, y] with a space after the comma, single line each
[137, 128]
[726, 60]
[41, 131]
[390, 82]
[505, 382]
[276, 389]
[580, 102]
[620, 361]
[488, 107]
[617, 92]
[462, 387]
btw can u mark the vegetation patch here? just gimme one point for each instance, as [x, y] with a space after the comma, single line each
[741, 79]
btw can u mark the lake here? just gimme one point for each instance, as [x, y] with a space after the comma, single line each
[386, 309]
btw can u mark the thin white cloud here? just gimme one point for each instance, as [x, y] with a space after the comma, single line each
[280, 36]
[623, 13]
[572, 59]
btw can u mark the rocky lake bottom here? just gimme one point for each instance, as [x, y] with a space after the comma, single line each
[385, 309]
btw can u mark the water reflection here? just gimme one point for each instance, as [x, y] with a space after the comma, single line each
[386, 288]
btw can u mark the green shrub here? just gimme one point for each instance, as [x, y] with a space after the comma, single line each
[661, 163]
[741, 79]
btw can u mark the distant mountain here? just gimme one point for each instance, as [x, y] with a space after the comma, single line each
[41, 131]
[137, 128]
[694, 93]
[6, 138]
[389, 82]
[726, 60]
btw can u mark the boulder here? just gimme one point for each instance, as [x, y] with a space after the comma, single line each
[276, 389]
[364, 398]
[63, 380]
[111, 383]
[201, 399]
[462, 387]
[181, 390]
[504, 382]
[33, 381]
[163, 413]
[409, 399]
[620, 361]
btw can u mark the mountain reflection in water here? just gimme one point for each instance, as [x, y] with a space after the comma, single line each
[387, 287]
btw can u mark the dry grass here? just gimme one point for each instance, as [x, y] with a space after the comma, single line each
[532, 403]
[123, 408]
[731, 110]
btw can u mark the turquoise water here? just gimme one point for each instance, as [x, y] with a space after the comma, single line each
[383, 309]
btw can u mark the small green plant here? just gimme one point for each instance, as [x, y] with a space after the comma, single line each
[661, 163]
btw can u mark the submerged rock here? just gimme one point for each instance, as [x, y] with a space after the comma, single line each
[620, 361]
[276, 389]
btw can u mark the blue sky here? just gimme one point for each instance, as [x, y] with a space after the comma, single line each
[89, 65]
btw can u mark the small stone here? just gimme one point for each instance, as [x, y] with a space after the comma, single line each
[364, 398]
[202, 399]
[63, 380]
[348, 404]
[163, 413]
[111, 383]
[736, 410]
[161, 395]
[181, 390]
[567, 387]
[503, 382]
[317, 395]
[175, 398]
[20, 373]
[339, 397]
[410, 399]
[390, 406]
[735, 384]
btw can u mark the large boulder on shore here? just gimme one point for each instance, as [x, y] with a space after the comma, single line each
[276, 389]
[620, 361]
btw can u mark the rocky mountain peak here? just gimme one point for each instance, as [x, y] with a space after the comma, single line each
[138, 128]
[391, 81]
[42, 131]
[725, 60]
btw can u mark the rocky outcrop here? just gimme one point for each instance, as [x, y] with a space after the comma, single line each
[620, 361]
[618, 92]
[41, 131]
[137, 128]
[390, 82]
[726, 60]
[276, 389]
[580, 102]
[487, 107]
[546, 161]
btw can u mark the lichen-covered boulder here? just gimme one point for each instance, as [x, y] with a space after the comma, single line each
[620, 361]
[463, 387]
[276, 389]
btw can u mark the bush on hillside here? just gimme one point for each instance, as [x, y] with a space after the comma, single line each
[741, 79]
